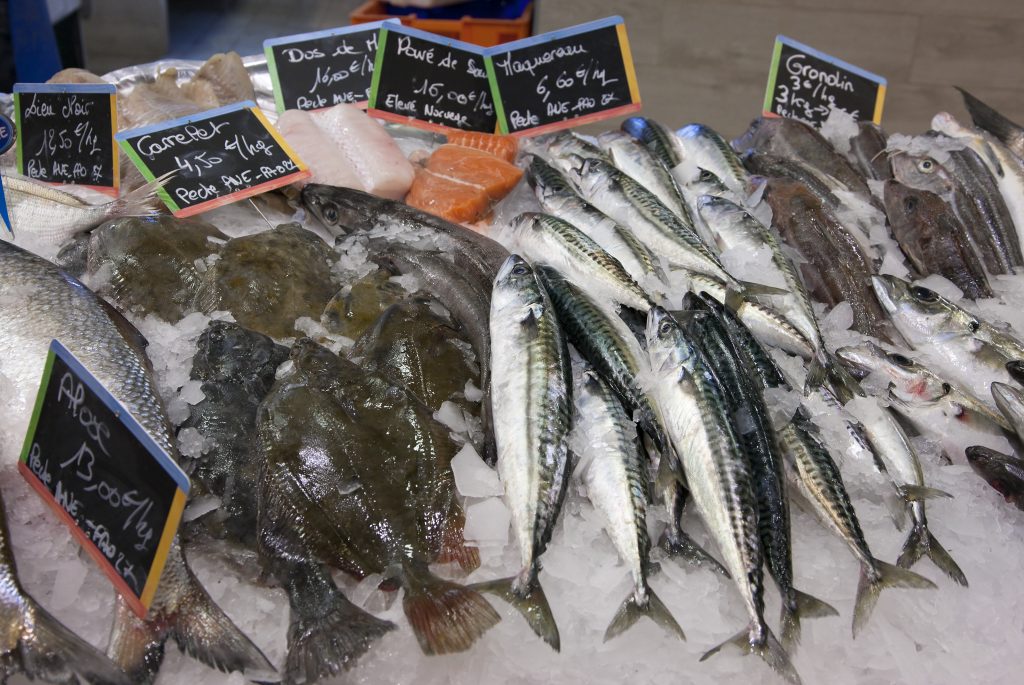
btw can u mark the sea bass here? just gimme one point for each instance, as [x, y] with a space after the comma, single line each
[532, 406]
[52, 305]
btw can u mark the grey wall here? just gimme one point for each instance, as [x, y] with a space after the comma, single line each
[707, 60]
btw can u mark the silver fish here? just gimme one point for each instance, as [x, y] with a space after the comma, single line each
[635, 159]
[1010, 401]
[710, 151]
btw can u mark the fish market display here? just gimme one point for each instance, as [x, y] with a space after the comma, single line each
[447, 424]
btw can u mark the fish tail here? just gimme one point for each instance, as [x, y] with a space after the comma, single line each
[750, 288]
[453, 543]
[816, 372]
[631, 610]
[801, 605]
[445, 616]
[43, 648]
[769, 650]
[987, 118]
[529, 599]
[874, 579]
[139, 201]
[921, 542]
[681, 545]
[326, 632]
[918, 493]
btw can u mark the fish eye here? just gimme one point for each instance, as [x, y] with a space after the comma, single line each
[973, 325]
[519, 270]
[946, 388]
[330, 213]
[900, 360]
[923, 294]
[706, 175]
[910, 204]
[665, 328]
[926, 166]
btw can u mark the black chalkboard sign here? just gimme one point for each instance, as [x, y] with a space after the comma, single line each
[564, 78]
[806, 84]
[92, 462]
[216, 157]
[426, 80]
[325, 68]
[66, 133]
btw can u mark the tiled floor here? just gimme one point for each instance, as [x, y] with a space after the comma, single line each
[698, 60]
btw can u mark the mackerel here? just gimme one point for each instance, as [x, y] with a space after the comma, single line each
[705, 147]
[532, 406]
[636, 160]
[662, 143]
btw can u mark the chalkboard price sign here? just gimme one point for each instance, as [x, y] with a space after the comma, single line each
[66, 134]
[90, 460]
[806, 84]
[217, 157]
[325, 68]
[564, 78]
[426, 80]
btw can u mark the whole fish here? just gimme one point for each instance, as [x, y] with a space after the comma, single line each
[708, 150]
[357, 476]
[995, 123]
[37, 644]
[1003, 472]
[662, 142]
[616, 482]
[982, 188]
[931, 237]
[920, 393]
[52, 305]
[545, 239]
[737, 228]
[949, 334]
[532, 405]
[636, 160]
[717, 472]
[867, 152]
[838, 268]
[41, 215]
[769, 165]
[468, 301]
[903, 466]
[559, 198]
[975, 213]
[344, 210]
[1010, 401]
[814, 473]
[752, 423]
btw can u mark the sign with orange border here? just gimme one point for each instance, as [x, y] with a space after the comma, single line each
[118, 491]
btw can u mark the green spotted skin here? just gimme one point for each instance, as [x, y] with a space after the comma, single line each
[658, 139]
[608, 345]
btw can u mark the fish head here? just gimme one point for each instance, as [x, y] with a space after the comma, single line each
[921, 314]
[1004, 473]
[944, 122]
[909, 378]
[1016, 370]
[340, 210]
[714, 208]
[860, 360]
[706, 182]
[669, 351]
[228, 352]
[903, 203]
[1009, 399]
[591, 175]
[523, 223]
[920, 171]
[545, 180]
[515, 286]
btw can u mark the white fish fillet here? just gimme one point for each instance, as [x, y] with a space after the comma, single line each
[314, 147]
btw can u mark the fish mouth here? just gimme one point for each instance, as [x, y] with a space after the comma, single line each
[885, 290]
[855, 361]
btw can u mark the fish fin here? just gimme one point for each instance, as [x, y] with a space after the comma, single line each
[326, 632]
[734, 299]
[816, 373]
[806, 606]
[770, 650]
[630, 612]
[132, 335]
[921, 542]
[869, 589]
[842, 380]
[916, 493]
[47, 650]
[533, 605]
[453, 544]
[897, 507]
[445, 616]
[681, 545]
[137, 646]
[987, 118]
[750, 288]
[139, 201]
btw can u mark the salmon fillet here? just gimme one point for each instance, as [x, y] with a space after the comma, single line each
[504, 147]
[461, 184]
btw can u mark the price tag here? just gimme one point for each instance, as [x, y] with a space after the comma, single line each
[120, 494]
[325, 68]
[426, 80]
[66, 134]
[218, 157]
[806, 84]
[564, 78]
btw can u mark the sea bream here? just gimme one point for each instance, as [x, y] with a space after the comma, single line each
[43, 303]
[717, 473]
[532, 405]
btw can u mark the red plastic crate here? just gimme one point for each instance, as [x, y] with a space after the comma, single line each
[485, 32]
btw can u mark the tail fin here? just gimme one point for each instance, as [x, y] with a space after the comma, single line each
[770, 650]
[816, 372]
[869, 589]
[453, 544]
[446, 617]
[987, 118]
[806, 607]
[916, 493]
[46, 650]
[681, 545]
[921, 542]
[533, 605]
[750, 288]
[630, 612]
[139, 201]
